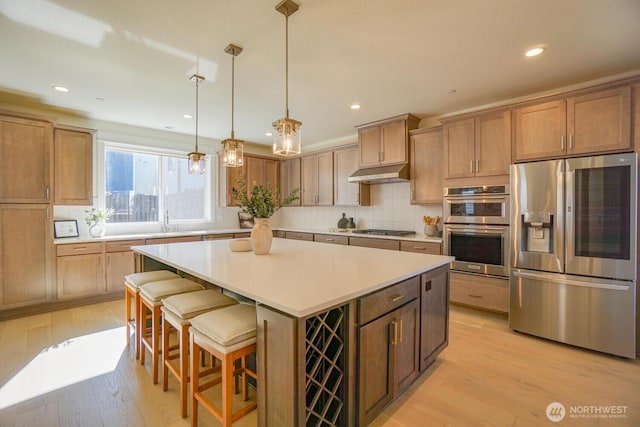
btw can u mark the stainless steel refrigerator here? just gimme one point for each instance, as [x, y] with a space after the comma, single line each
[574, 251]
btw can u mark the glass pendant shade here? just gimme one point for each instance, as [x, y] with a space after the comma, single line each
[286, 137]
[196, 163]
[232, 153]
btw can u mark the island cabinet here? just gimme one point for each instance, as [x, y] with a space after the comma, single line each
[73, 166]
[427, 157]
[26, 160]
[385, 142]
[290, 178]
[25, 255]
[434, 316]
[477, 146]
[80, 270]
[345, 193]
[317, 179]
[120, 263]
[388, 346]
[594, 122]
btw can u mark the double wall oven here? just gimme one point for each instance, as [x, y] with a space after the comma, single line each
[476, 229]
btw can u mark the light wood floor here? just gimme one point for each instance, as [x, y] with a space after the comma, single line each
[487, 376]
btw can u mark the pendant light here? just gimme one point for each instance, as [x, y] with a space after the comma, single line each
[232, 148]
[286, 131]
[196, 159]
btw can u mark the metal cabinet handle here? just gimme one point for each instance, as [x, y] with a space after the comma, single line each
[471, 166]
[477, 165]
[394, 337]
[420, 248]
[562, 142]
[571, 142]
[474, 296]
[400, 331]
[329, 240]
[81, 248]
[46, 192]
[396, 298]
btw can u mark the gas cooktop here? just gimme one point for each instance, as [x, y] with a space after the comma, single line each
[384, 232]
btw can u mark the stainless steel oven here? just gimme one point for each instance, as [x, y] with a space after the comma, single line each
[476, 229]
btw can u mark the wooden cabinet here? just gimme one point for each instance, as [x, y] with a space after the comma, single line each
[256, 170]
[489, 293]
[26, 155]
[317, 179]
[80, 270]
[290, 178]
[388, 346]
[217, 236]
[478, 146]
[25, 255]
[368, 242]
[120, 262]
[331, 238]
[73, 166]
[233, 175]
[434, 317]
[345, 193]
[177, 239]
[427, 156]
[420, 247]
[295, 235]
[385, 142]
[595, 122]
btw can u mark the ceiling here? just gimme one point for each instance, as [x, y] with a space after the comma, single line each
[426, 57]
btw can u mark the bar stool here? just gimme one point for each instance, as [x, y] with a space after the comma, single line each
[228, 334]
[131, 292]
[177, 311]
[151, 295]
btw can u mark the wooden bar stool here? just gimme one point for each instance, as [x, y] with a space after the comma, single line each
[177, 311]
[228, 334]
[151, 295]
[132, 295]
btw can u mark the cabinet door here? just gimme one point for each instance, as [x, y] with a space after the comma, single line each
[80, 276]
[375, 368]
[394, 143]
[406, 341]
[73, 159]
[599, 122]
[119, 264]
[270, 173]
[325, 179]
[370, 146]
[434, 334]
[541, 131]
[290, 178]
[254, 172]
[493, 144]
[427, 155]
[26, 148]
[459, 149]
[233, 174]
[345, 193]
[25, 255]
[309, 180]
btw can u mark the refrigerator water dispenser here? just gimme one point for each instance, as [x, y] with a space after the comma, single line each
[537, 230]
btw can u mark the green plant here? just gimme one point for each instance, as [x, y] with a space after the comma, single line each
[262, 202]
[98, 215]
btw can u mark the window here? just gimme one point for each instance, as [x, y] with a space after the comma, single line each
[141, 185]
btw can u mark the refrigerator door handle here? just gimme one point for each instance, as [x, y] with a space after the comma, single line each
[615, 286]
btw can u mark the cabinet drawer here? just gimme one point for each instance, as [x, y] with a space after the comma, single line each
[123, 245]
[329, 238]
[242, 235]
[367, 242]
[217, 236]
[490, 293]
[378, 303]
[420, 247]
[79, 249]
[299, 236]
[161, 240]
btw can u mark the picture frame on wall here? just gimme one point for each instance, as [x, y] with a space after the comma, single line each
[65, 228]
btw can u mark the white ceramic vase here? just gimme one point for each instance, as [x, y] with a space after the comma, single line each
[261, 236]
[98, 229]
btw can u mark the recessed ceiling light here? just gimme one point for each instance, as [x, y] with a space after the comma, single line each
[268, 134]
[187, 116]
[61, 89]
[100, 99]
[534, 52]
[355, 106]
[452, 91]
[168, 127]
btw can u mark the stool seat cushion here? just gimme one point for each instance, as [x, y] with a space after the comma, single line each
[229, 325]
[192, 304]
[156, 291]
[136, 280]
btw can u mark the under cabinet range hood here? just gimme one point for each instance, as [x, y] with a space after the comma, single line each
[381, 174]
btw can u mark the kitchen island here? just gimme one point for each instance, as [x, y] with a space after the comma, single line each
[322, 310]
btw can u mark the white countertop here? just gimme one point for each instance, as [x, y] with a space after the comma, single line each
[297, 277]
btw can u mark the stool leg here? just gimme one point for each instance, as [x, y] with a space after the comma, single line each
[137, 323]
[142, 322]
[127, 312]
[166, 330]
[245, 391]
[195, 380]
[227, 390]
[155, 340]
[184, 367]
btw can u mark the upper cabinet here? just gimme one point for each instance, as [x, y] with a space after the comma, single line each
[290, 178]
[73, 166]
[345, 193]
[385, 142]
[427, 155]
[592, 123]
[26, 172]
[478, 146]
[317, 179]
[256, 170]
